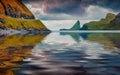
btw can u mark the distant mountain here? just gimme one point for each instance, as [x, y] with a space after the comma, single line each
[15, 15]
[103, 24]
[76, 26]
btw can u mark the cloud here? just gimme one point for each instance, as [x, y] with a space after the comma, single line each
[72, 9]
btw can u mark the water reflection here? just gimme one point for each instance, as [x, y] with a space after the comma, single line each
[14, 49]
[61, 54]
[81, 54]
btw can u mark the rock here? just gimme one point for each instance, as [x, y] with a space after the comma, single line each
[3, 27]
[85, 27]
[118, 16]
[2, 20]
[116, 21]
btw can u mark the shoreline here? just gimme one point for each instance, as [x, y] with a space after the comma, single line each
[90, 31]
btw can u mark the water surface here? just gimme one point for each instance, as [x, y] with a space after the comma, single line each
[60, 54]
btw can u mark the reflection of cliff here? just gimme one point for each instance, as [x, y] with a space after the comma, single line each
[109, 41]
[13, 50]
[115, 38]
[100, 38]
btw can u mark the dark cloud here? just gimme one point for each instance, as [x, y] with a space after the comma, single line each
[110, 4]
[72, 7]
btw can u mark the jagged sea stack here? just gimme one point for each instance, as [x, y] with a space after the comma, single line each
[76, 26]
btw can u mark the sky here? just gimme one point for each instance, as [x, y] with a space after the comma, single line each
[72, 9]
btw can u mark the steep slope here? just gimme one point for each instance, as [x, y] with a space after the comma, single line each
[15, 8]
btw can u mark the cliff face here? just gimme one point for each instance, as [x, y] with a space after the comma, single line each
[15, 15]
[15, 8]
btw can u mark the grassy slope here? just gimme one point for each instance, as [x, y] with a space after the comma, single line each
[102, 24]
[15, 23]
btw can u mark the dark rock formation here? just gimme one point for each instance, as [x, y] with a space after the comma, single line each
[2, 20]
[85, 27]
[3, 27]
[116, 21]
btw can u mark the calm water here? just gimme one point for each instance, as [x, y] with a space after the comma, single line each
[60, 54]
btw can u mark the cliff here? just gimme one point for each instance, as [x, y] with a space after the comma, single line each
[15, 15]
[15, 8]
